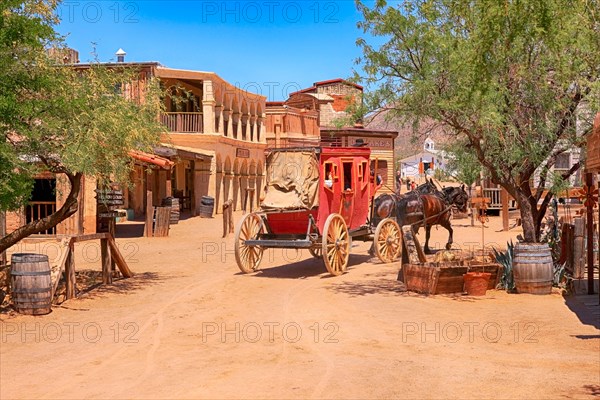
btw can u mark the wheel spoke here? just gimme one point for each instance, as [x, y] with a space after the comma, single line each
[248, 257]
[335, 245]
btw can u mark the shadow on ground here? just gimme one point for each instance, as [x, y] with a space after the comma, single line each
[89, 284]
[306, 268]
[586, 308]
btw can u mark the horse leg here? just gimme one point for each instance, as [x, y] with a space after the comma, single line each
[427, 236]
[446, 224]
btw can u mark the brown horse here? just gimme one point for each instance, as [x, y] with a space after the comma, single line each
[384, 206]
[432, 209]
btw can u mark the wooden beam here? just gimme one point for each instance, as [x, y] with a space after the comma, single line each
[590, 237]
[70, 272]
[504, 212]
[91, 236]
[106, 262]
[3, 260]
[169, 188]
[119, 260]
[149, 207]
[66, 243]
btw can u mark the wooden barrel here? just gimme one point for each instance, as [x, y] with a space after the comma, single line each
[533, 268]
[206, 211]
[31, 283]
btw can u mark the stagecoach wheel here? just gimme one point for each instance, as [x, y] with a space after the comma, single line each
[336, 244]
[316, 252]
[388, 243]
[248, 257]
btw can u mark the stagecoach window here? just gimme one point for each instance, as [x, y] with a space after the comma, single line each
[330, 174]
[347, 176]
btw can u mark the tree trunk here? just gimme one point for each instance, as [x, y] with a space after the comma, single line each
[68, 209]
[528, 213]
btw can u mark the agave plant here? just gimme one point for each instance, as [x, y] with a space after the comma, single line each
[505, 259]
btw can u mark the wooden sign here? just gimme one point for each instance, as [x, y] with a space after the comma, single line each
[110, 197]
[242, 153]
[110, 214]
[374, 142]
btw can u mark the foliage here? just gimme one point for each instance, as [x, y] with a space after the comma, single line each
[509, 79]
[463, 165]
[25, 30]
[355, 112]
[72, 121]
[505, 259]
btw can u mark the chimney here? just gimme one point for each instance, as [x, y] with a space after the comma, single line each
[120, 55]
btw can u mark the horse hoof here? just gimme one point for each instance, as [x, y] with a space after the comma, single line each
[448, 246]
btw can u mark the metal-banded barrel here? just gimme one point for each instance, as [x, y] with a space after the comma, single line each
[31, 283]
[533, 268]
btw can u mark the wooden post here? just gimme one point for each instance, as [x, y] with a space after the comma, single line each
[149, 208]
[472, 210]
[578, 248]
[169, 188]
[106, 262]
[227, 217]
[118, 257]
[504, 201]
[112, 231]
[3, 260]
[70, 272]
[590, 237]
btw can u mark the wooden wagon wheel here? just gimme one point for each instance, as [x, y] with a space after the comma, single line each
[248, 257]
[316, 252]
[336, 244]
[388, 240]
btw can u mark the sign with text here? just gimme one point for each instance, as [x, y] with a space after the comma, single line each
[373, 142]
[110, 197]
[242, 153]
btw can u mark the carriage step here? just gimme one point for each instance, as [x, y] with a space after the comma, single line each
[283, 244]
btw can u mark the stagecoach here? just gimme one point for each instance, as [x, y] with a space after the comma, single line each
[320, 199]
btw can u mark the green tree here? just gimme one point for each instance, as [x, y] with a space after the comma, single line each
[61, 119]
[464, 164]
[510, 78]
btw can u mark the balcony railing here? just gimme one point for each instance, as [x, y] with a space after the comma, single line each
[183, 122]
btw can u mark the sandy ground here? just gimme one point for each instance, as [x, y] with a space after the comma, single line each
[190, 325]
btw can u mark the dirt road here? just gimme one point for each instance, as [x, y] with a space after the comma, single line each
[190, 325]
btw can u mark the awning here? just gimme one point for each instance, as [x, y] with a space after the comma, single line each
[187, 153]
[151, 159]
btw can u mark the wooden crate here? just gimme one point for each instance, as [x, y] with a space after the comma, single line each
[434, 278]
[492, 268]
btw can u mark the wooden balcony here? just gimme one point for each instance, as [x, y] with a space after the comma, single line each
[183, 122]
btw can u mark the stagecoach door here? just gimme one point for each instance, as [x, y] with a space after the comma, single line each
[349, 189]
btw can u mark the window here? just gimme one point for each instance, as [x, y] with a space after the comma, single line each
[347, 176]
[563, 161]
[330, 175]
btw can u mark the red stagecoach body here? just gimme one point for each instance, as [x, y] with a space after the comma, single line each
[317, 198]
[339, 181]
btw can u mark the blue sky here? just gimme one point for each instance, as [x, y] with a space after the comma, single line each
[270, 47]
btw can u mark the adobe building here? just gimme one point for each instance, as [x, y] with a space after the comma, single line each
[309, 118]
[213, 146]
[288, 126]
[330, 98]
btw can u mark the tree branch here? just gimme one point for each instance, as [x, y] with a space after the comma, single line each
[69, 208]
